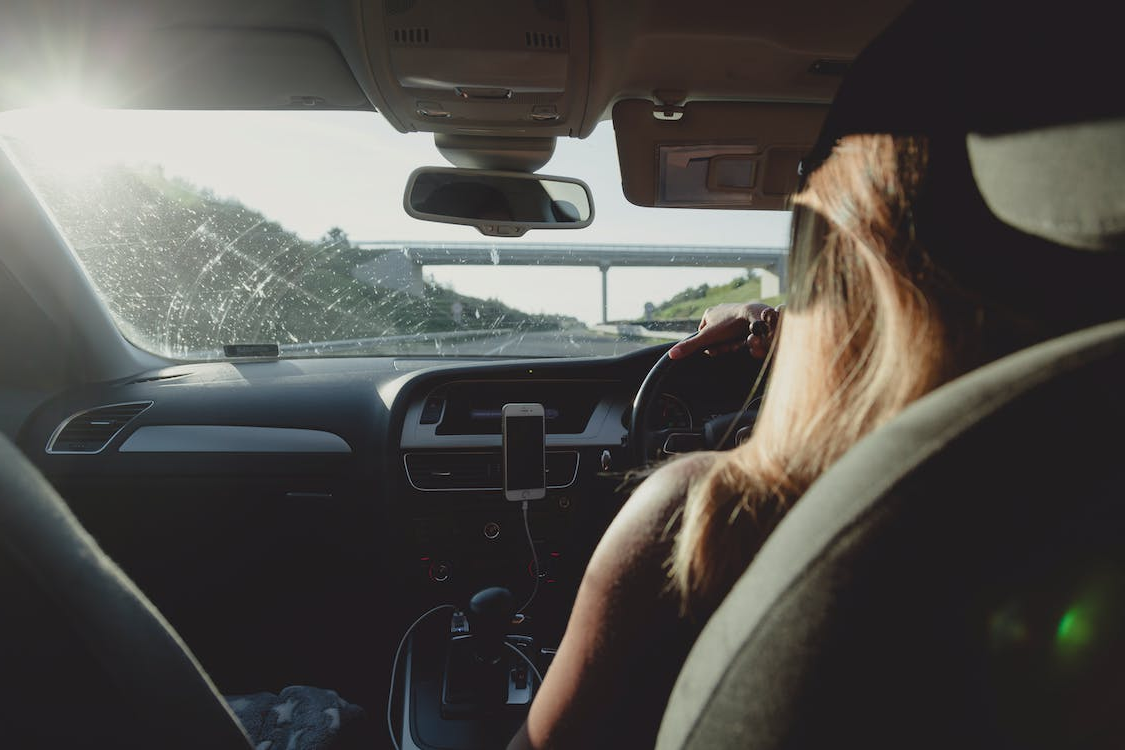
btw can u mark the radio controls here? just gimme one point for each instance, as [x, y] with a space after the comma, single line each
[441, 571]
[547, 567]
[491, 530]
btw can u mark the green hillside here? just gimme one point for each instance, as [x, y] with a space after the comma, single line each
[690, 303]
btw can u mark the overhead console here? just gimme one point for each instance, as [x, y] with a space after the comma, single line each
[477, 67]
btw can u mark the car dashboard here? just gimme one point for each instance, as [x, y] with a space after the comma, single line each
[292, 517]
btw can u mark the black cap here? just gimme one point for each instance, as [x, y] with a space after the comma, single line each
[1025, 117]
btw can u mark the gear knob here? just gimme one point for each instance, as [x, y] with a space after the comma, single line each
[491, 612]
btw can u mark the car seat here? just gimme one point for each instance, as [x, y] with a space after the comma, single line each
[87, 661]
[957, 579]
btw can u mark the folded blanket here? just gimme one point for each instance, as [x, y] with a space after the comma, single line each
[299, 718]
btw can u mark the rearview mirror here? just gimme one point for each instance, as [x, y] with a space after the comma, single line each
[499, 204]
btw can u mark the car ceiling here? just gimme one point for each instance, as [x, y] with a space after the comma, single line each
[217, 54]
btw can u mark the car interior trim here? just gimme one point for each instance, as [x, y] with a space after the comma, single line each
[602, 428]
[406, 465]
[51, 441]
[232, 439]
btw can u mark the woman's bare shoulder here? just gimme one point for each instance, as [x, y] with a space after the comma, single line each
[674, 477]
[645, 525]
[665, 489]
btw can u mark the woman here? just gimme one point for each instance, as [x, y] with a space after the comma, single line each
[872, 325]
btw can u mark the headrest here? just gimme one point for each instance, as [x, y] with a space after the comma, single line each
[1028, 96]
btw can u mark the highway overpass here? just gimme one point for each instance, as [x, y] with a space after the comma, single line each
[399, 264]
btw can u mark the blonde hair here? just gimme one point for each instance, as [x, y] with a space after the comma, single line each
[867, 331]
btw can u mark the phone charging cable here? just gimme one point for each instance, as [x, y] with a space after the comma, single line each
[394, 669]
[535, 562]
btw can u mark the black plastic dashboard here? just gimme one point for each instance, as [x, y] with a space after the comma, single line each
[291, 517]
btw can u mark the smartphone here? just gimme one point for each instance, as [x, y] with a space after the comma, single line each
[524, 452]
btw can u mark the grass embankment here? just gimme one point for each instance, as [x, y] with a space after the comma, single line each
[690, 303]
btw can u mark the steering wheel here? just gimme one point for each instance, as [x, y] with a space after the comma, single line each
[717, 433]
[642, 402]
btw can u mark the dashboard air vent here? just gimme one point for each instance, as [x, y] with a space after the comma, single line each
[159, 377]
[90, 431]
[454, 471]
[459, 472]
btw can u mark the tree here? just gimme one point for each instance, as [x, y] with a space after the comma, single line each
[336, 237]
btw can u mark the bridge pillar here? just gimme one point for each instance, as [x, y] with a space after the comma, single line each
[770, 283]
[604, 268]
[780, 269]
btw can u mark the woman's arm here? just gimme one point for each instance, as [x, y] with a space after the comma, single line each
[622, 608]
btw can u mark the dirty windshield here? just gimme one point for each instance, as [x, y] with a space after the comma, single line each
[204, 229]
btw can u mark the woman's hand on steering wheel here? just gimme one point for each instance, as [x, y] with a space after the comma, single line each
[732, 326]
[724, 328]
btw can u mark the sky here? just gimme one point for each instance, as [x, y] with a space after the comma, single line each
[311, 171]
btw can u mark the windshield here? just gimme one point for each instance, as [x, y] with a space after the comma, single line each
[205, 229]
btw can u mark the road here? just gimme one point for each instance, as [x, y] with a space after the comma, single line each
[609, 340]
[570, 343]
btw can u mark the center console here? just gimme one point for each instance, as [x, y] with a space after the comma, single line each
[468, 676]
[463, 535]
[467, 673]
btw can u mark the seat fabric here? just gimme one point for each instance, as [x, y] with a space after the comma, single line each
[956, 580]
[86, 661]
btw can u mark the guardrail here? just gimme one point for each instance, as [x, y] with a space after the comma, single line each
[636, 330]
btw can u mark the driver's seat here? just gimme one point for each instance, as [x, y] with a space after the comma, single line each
[958, 578]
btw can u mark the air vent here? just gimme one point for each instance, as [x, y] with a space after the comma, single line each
[542, 40]
[461, 472]
[91, 431]
[411, 36]
[154, 378]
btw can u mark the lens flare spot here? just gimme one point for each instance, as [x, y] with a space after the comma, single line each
[1075, 628]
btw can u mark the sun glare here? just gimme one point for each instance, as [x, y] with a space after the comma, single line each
[83, 138]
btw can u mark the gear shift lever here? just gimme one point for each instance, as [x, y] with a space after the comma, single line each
[491, 615]
[477, 666]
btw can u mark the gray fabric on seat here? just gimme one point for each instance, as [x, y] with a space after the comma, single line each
[869, 619]
[1061, 183]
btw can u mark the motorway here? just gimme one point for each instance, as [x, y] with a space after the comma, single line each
[572, 342]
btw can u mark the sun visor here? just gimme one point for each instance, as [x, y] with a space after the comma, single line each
[713, 154]
[193, 68]
[241, 68]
